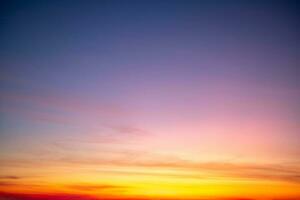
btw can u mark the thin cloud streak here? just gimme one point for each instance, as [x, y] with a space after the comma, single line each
[196, 170]
[98, 187]
[90, 118]
[10, 177]
[64, 196]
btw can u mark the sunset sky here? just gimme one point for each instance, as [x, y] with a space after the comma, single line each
[149, 100]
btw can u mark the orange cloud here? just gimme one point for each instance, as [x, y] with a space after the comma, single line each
[98, 187]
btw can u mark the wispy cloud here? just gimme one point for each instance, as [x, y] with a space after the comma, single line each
[10, 177]
[276, 172]
[233, 170]
[35, 196]
[98, 187]
[64, 196]
[177, 168]
[95, 122]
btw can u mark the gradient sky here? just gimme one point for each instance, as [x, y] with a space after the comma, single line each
[149, 99]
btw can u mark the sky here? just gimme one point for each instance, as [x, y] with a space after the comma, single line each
[149, 100]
